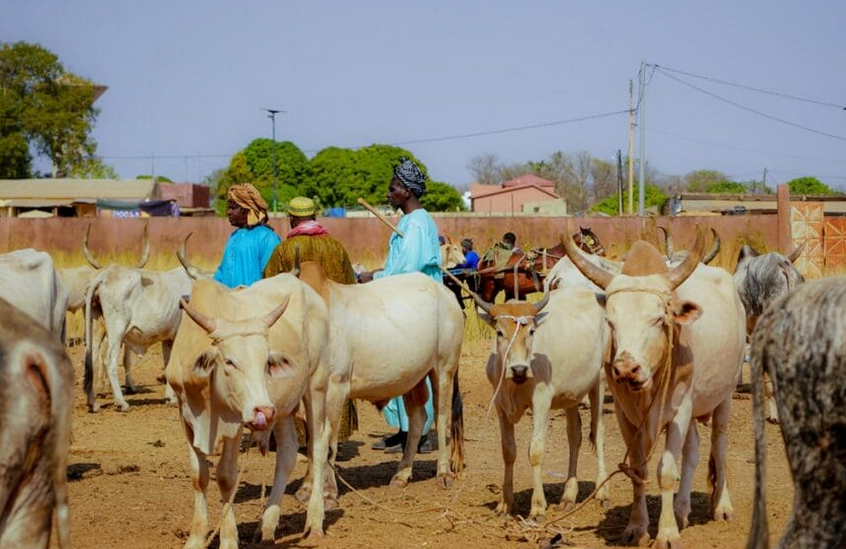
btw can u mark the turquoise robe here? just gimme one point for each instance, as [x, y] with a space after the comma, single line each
[247, 252]
[417, 251]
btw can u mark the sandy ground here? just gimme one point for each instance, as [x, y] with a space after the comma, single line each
[130, 486]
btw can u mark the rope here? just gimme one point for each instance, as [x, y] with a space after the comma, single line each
[520, 321]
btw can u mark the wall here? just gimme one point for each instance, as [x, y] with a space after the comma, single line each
[366, 238]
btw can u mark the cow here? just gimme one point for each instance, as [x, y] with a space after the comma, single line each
[138, 308]
[800, 341]
[536, 365]
[28, 280]
[673, 361]
[451, 255]
[762, 279]
[36, 403]
[245, 358]
[387, 337]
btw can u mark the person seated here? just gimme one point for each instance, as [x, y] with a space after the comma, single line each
[509, 242]
[471, 258]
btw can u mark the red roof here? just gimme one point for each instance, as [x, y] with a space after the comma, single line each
[500, 190]
[528, 179]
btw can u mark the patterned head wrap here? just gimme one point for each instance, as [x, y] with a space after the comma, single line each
[248, 197]
[410, 175]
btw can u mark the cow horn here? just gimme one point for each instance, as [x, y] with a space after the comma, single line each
[192, 271]
[715, 248]
[202, 320]
[794, 255]
[680, 273]
[145, 253]
[86, 252]
[543, 302]
[668, 242]
[594, 273]
[271, 317]
[479, 301]
[296, 269]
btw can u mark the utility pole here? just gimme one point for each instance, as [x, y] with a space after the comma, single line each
[620, 183]
[630, 209]
[641, 103]
[765, 180]
[272, 115]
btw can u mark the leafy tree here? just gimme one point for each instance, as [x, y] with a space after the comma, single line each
[160, 178]
[46, 107]
[758, 187]
[809, 185]
[653, 196]
[699, 180]
[441, 197]
[334, 177]
[93, 168]
[726, 187]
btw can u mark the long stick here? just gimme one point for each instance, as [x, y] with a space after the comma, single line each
[379, 216]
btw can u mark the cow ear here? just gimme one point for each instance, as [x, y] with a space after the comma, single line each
[686, 312]
[204, 364]
[485, 316]
[279, 367]
[601, 299]
[36, 373]
[746, 252]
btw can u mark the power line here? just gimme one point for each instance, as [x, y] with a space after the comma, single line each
[750, 109]
[751, 88]
[508, 130]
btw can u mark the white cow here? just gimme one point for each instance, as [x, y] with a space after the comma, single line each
[246, 357]
[387, 336]
[547, 356]
[139, 308]
[28, 280]
[678, 336]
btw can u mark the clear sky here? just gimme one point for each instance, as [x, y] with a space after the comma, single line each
[187, 79]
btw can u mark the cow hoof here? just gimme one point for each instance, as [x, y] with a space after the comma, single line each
[398, 483]
[313, 532]
[446, 480]
[130, 390]
[772, 420]
[93, 408]
[605, 503]
[683, 522]
[263, 538]
[303, 495]
[122, 407]
[635, 536]
[566, 506]
[539, 519]
[726, 514]
[672, 542]
[330, 504]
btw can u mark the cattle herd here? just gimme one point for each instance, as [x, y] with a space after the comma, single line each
[665, 334]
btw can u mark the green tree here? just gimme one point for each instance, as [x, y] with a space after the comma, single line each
[441, 197]
[726, 187]
[92, 168]
[652, 197]
[809, 185]
[699, 180]
[46, 107]
[334, 177]
[160, 178]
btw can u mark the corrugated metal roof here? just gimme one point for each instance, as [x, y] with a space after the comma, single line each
[77, 189]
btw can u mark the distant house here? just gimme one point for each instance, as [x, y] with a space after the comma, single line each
[192, 199]
[71, 197]
[733, 204]
[513, 196]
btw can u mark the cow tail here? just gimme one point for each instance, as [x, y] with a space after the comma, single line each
[759, 533]
[88, 378]
[457, 427]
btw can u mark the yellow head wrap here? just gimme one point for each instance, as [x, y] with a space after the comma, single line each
[248, 197]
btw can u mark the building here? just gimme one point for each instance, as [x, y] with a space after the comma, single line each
[192, 199]
[733, 204]
[70, 197]
[513, 195]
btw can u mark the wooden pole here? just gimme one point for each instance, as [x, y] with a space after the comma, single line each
[630, 209]
[379, 216]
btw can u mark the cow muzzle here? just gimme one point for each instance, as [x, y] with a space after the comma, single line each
[519, 373]
[262, 418]
[626, 370]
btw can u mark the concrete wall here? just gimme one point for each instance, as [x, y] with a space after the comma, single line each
[366, 238]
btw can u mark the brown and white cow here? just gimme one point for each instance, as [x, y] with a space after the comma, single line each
[677, 347]
[36, 403]
[245, 358]
[388, 336]
[547, 356]
[801, 341]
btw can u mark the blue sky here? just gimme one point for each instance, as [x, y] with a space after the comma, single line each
[187, 79]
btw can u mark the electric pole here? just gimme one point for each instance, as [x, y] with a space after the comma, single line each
[641, 103]
[620, 183]
[272, 115]
[630, 209]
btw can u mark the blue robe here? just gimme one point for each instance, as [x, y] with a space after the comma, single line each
[247, 252]
[417, 251]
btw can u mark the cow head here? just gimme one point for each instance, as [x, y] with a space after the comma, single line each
[641, 309]
[239, 364]
[451, 255]
[515, 323]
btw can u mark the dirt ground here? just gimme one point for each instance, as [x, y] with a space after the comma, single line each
[130, 486]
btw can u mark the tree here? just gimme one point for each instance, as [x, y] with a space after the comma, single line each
[758, 187]
[159, 178]
[699, 180]
[652, 197]
[809, 185]
[92, 168]
[46, 107]
[486, 169]
[726, 187]
[604, 177]
[441, 197]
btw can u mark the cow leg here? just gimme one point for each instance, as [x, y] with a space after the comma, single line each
[509, 455]
[319, 435]
[442, 388]
[128, 362]
[636, 531]
[690, 457]
[200, 481]
[336, 395]
[541, 401]
[597, 437]
[668, 477]
[414, 401]
[769, 400]
[112, 369]
[97, 339]
[720, 500]
[286, 458]
[227, 475]
[170, 396]
[574, 440]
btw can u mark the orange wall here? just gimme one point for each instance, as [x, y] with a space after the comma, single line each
[366, 238]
